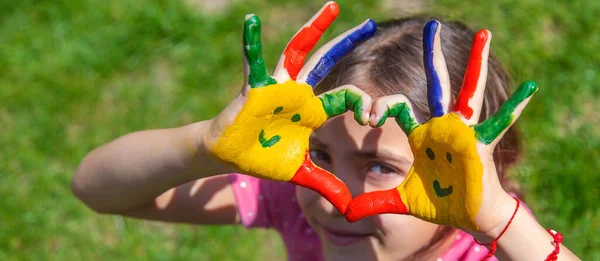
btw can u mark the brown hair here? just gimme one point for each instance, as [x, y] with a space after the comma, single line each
[392, 63]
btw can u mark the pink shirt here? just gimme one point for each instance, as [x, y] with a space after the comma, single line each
[269, 204]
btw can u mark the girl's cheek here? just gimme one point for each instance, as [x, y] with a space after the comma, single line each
[306, 197]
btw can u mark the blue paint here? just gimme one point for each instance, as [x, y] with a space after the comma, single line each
[434, 88]
[341, 48]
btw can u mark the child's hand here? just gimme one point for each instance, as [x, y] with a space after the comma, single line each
[264, 132]
[453, 180]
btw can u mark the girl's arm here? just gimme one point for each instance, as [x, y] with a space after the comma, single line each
[524, 239]
[155, 174]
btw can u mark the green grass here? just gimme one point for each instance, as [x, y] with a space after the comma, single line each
[76, 74]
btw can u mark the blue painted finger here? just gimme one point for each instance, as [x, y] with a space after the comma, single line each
[331, 53]
[438, 82]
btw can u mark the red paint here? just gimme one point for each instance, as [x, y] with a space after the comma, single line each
[469, 84]
[306, 39]
[377, 202]
[328, 185]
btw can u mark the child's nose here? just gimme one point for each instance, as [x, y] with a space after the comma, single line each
[351, 176]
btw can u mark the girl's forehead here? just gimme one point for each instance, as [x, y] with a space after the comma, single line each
[345, 133]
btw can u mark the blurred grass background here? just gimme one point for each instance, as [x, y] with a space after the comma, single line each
[76, 74]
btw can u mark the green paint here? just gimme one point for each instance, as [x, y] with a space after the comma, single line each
[491, 128]
[296, 118]
[278, 110]
[441, 192]
[338, 102]
[253, 51]
[267, 142]
[402, 113]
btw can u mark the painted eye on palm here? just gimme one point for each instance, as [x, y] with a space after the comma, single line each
[274, 139]
[445, 183]
[269, 136]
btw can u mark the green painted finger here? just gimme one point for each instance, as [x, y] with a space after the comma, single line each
[253, 52]
[487, 131]
[403, 115]
[338, 102]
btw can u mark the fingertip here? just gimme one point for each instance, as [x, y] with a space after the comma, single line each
[370, 27]
[332, 8]
[372, 120]
[249, 16]
[351, 218]
[362, 117]
[483, 34]
[351, 215]
[252, 25]
[530, 85]
[378, 111]
[431, 28]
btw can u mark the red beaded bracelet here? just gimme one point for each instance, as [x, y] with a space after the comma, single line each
[494, 242]
[558, 238]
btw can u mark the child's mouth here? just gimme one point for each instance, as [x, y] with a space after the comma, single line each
[343, 238]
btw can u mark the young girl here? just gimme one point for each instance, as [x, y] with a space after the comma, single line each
[174, 174]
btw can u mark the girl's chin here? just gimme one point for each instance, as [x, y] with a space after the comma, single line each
[358, 251]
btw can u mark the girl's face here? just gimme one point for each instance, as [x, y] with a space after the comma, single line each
[366, 159]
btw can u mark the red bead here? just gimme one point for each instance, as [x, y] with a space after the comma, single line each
[558, 238]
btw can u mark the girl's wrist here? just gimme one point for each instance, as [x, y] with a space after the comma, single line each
[198, 139]
[492, 224]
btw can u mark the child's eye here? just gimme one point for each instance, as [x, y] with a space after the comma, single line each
[382, 169]
[319, 156]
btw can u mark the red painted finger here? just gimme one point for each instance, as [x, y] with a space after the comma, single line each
[329, 186]
[305, 40]
[377, 202]
[470, 98]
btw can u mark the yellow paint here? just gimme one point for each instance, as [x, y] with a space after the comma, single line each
[239, 145]
[444, 134]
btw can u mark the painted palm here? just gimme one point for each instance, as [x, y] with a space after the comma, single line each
[268, 137]
[446, 184]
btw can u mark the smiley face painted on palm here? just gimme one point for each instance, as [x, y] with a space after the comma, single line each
[275, 123]
[269, 136]
[445, 184]
[446, 174]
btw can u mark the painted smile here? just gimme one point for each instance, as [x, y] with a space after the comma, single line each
[441, 192]
[265, 143]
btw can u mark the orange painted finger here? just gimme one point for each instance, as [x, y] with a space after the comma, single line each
[328, 185]
[306, 38]
[376, 202]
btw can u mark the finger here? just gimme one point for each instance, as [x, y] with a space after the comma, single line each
[491, 130]
[377, 202]
[470, 98]
[331, 53]
[292, 59]
[257, 76]
[399, 107]
[328, 185]
[347, 97]
[439, 95]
